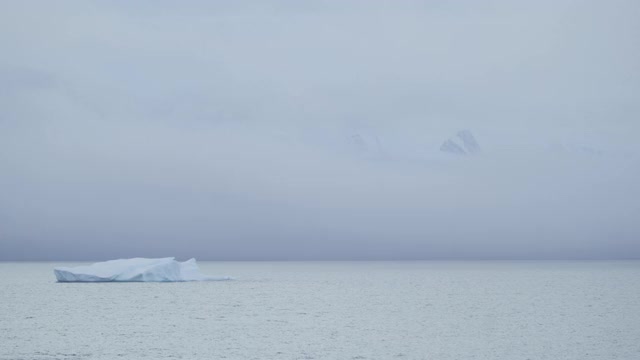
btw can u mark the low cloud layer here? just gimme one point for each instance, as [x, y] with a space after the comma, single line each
[275, 130]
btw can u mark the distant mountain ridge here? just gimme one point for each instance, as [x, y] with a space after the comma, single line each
[463, 143]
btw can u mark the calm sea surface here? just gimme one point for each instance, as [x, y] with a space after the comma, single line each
[330, 310]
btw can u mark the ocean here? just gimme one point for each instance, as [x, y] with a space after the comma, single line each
[331, 310]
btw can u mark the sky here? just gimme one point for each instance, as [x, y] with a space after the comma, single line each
[289, 130]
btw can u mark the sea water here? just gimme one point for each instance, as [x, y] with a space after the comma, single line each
[330, 310]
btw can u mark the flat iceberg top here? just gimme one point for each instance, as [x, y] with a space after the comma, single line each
[134, 270]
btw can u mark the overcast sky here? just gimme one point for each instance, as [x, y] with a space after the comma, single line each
[312, 130]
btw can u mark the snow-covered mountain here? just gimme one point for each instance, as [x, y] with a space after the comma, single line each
[463, 143]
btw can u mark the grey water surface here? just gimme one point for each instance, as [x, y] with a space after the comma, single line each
[331, 310]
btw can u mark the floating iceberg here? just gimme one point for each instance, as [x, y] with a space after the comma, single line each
[134, 270]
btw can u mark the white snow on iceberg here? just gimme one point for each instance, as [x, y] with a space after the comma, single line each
[134, 270]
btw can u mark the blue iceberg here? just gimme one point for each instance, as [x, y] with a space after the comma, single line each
[135, 270]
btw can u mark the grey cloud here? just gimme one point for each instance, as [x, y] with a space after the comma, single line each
[288, 130]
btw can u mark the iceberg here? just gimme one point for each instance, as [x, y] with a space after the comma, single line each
[135, 270]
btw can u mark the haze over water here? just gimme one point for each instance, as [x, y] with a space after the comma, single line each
[281, 130]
